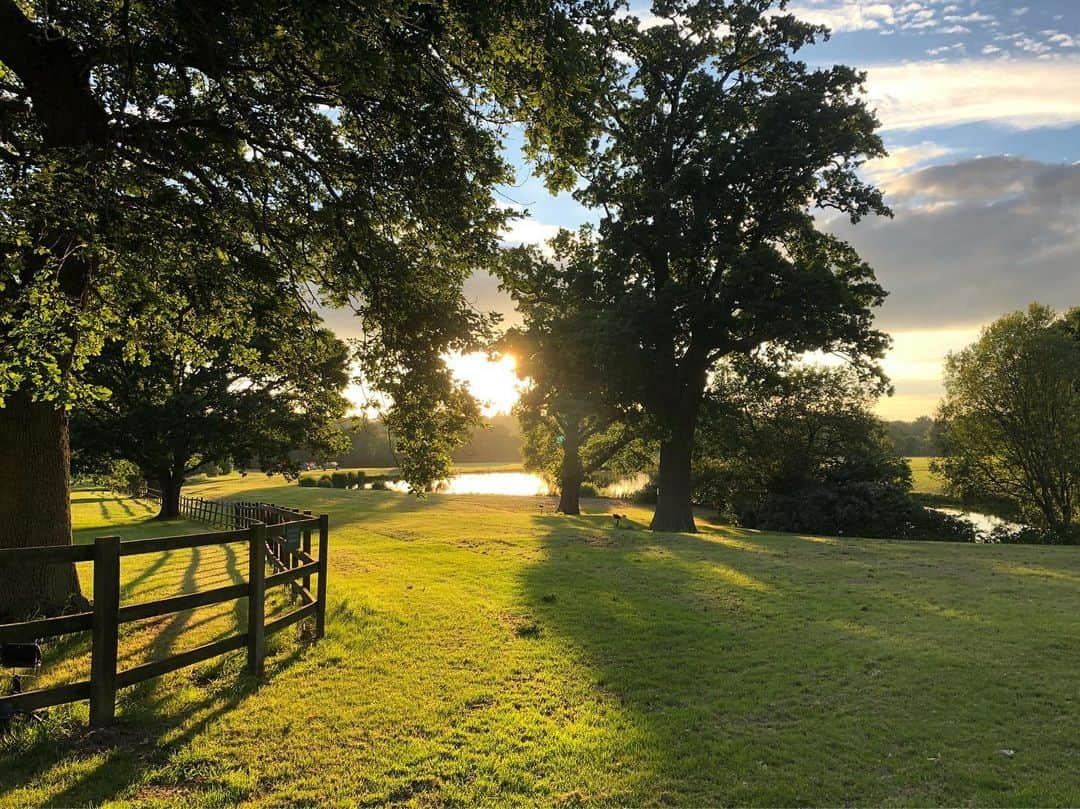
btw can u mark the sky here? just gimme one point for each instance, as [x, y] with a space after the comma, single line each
[979, 102]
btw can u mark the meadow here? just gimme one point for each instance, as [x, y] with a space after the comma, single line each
[923, 480]
[481, 651]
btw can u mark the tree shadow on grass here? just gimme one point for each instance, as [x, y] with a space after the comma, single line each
[780, 670]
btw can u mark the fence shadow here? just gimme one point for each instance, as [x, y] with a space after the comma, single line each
[148, 733]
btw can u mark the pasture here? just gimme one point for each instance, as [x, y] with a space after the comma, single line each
[923, 480]
[480, 652]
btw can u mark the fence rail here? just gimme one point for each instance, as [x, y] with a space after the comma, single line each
[285, 544]
[225, 513]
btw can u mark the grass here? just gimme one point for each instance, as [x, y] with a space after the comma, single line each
[923, 480]
[480, 652]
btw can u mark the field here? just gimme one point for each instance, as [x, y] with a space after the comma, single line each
[923, 481]
[480, 652]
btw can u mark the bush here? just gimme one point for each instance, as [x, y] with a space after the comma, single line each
[340, 480]
[589, 490]
[325, 482]
[307, 482]
[379, 485]
[357, 479]
[1028, 535]
[857, 509]
[646, 495]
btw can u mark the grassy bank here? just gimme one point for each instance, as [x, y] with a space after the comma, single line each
[482, 652]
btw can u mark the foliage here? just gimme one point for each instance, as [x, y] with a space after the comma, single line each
[1010, 420]
[795, 448]
[339, 480]
[914, 439]
[570, 427]
[307, 482]
[249, 380]
[716, 141]
[325, 482]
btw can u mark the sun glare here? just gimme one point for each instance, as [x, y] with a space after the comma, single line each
[492, 382]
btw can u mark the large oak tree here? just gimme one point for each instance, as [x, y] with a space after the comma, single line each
[717, 144]
[348, 150]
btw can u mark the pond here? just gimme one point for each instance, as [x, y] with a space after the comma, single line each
[984, 523]
[521, 484]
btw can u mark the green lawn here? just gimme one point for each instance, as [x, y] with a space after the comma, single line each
[923, 481]
[480, 652]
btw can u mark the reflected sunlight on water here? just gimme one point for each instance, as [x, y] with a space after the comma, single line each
[521, 484]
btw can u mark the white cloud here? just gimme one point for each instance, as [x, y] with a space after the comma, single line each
[528, 231]
[846, 15]
[1028, 94]
[884, 171]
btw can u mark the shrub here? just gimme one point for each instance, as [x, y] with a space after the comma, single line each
[307, 482]
[856, 509]
[1028, 535]
[589, 490]
[379, 485]
[340, 480]
[325, 482]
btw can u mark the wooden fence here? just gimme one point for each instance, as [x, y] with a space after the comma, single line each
[285, 543]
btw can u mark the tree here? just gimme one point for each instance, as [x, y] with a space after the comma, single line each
[792, 447]
[348, 151]
[1010, 418]
[251, 381]
[716, 141]
[569, 428]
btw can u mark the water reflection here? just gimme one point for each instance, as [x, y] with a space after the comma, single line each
[984, 523]
[521, 484]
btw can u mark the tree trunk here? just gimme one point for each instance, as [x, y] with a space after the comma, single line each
[570, 477]
[674, 507]
[170, 496]
[34, 506]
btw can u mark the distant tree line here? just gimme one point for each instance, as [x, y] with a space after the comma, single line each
[914, 439]
[496, 440]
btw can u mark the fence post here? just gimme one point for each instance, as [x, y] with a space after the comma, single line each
[320, 599]
[256, 598]
[106, 627]
[307, 551]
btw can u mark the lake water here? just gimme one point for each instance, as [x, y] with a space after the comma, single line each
[522, 484]
[984, 523]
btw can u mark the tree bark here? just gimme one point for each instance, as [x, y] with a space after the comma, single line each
[171, 484]
[674, 504]
[34, 506]
[570, 476]
[674, 507]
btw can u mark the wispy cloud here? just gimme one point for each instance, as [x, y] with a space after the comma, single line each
[1030, 93]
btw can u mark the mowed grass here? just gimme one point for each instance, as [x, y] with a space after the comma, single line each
[923, 480]
[480, 652]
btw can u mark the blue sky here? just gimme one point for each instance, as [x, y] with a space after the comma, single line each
[980, 107]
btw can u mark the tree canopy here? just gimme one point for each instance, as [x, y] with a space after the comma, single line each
[348, 151]
[1010, 420]
[251, 381]
[792, 447]
[571, 428]
[717, 141]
